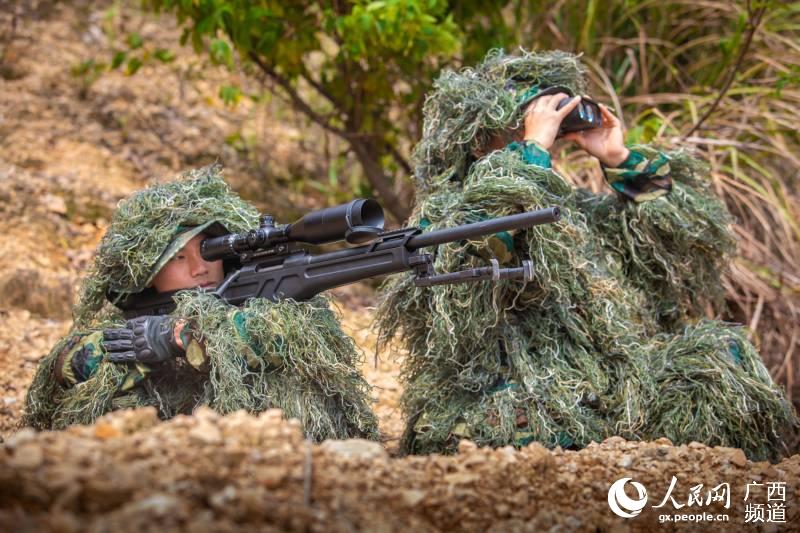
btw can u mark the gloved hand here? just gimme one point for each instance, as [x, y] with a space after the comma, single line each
[144, 339]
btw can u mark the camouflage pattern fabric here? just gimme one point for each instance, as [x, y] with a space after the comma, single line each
[79, 359]
[532, 153]
[640, 178]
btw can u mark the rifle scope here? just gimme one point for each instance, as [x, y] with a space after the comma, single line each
[357, 221]
[337, 223]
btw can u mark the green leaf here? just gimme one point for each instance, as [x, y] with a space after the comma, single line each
[164, 55]
[83, 68]
[134, 64]
[118, 60]
[230, 95]
[221, 52]
[791, 78]
[235, 140]
[135, 40]
[635, 135]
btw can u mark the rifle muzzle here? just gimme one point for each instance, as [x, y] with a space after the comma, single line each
[485, 227]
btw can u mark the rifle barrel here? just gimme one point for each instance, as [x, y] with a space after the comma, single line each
[485, 227]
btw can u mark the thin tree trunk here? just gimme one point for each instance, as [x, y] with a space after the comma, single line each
[365, 152]
[377, 178]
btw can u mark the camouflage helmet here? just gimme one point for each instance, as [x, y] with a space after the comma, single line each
[465, 108]
[183, 235]
[150, 226]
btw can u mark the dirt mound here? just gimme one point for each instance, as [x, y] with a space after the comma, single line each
[24, 339]
[129, 472]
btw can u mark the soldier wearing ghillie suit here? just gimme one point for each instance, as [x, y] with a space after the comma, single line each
[287, 355]
[609, 338]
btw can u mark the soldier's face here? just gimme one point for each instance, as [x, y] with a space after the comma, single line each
[187, 270]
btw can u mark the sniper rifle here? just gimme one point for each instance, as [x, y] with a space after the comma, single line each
[270, 261]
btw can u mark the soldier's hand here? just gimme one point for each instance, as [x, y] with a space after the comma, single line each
[144, 339]
[606, 143]
[543, 120]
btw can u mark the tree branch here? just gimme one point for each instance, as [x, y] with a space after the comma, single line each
[398, 157]
[369, 161]
[320, 89]
[374, 172]
[301, 104]
[754, 21]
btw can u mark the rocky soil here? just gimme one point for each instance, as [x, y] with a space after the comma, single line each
[69, 150]
[130, 472]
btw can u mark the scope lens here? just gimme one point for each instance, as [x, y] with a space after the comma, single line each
[369, 213]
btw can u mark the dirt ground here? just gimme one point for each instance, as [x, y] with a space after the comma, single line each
[129, 472]
[69, 150]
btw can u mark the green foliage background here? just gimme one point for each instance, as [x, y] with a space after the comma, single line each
[360, 69]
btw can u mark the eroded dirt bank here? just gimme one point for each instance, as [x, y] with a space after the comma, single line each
[129, 473]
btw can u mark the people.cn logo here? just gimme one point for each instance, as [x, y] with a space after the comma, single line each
[621, 504]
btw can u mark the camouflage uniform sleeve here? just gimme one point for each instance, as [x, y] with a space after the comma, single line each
[501, 245]
[532, 153]
[79, 359]
[255, 353]
[639, 178]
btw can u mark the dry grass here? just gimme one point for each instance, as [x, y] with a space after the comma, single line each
[664, 66]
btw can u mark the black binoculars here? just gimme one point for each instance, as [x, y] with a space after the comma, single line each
[585, 116]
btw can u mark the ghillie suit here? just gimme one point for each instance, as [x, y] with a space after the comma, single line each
[607, 339]
[293, 356]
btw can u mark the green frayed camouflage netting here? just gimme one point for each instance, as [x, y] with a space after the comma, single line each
[144, 225]
[287, 355]
[608, 339]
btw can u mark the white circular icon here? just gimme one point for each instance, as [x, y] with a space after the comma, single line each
[621, 504]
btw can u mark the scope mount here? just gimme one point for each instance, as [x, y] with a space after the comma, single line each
[358, 235]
